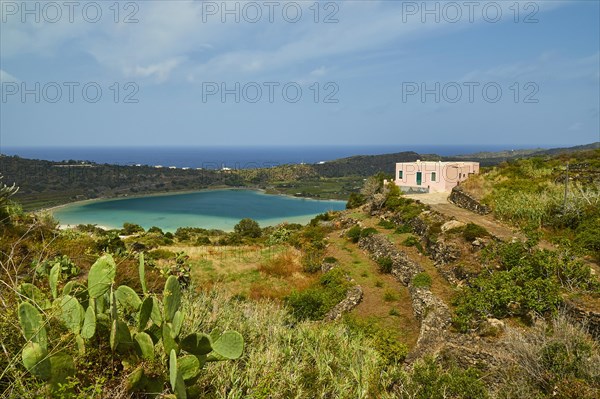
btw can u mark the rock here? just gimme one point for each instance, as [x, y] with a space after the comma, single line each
[326, 266]
[452, 224]
[491, 327]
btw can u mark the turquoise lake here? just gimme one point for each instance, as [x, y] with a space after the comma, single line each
[211, 209]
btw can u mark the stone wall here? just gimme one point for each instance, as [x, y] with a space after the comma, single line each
[589, 319]
[431, 311]
[379, 247]
[353, 297]
[462, 199]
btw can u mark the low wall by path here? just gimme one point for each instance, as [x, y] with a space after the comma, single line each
[462, 199]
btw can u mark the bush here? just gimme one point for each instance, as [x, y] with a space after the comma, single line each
[111, 243]
[312, 259]
[403, 229]
[410, 241]
[131, 228]
[315, 302]
[472, 231]
[161, 254]
[386, 224]
[421, 280]
[529, 280]
[369, 231]
[354, 233]
[203, 240]
[386, 342]
[385, 264]
[429, 380]
[156, 230]
[248, 228]
[390, 296]
[413, 241]
[557, 358]
[355, 200]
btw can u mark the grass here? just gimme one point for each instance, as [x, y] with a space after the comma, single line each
[250, 271]
[373, 308]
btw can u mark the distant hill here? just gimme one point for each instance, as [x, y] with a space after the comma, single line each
[364, 165]
[47, 183]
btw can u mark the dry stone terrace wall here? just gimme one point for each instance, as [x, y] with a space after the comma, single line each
[590, 320]
[462, 199]
[431, 311]
[379, 247]
[353, 297]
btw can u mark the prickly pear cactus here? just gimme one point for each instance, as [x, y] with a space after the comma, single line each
[101, 276]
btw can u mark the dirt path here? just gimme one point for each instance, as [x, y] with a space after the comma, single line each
[385, 300]
[439, 202]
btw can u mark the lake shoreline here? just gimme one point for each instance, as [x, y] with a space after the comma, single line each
[179, 192]
[319, 206]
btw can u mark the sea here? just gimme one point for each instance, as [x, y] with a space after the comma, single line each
[234, 157]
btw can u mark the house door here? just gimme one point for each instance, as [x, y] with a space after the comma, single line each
[419, 178]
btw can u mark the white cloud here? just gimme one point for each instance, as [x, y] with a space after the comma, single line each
[212, 49]
[160, 71]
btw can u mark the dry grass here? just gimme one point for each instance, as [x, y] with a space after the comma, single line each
[283, 265]
[373, 308]
[558, 358]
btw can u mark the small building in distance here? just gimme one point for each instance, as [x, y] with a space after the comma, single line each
[432, 177]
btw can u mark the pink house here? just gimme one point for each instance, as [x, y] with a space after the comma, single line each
[432, 176]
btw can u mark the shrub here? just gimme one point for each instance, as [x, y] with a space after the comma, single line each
[386, 224]
[394, 312]
[472, 231]
[413, 241]
[355, 200]
[529, 280]
[156, 230]
[315, 302]
[557, 358]
[385, 264]
[369, 231]
[330, 259]
[354, 233]
[390, 296]
[403, 228]
[161, 254]
[421, 280]
[280, 235]
[111, 242]
[386, 342]
[248, 228]
[203, 240]
[131, 228]
[429, 380]
[322, 217]
[312, 259]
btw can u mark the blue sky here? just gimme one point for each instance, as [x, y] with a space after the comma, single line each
[359, 72]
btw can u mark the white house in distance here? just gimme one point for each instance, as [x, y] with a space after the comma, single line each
[432, 177]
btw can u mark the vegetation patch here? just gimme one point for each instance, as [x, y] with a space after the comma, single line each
[314, 302]
[421, 280]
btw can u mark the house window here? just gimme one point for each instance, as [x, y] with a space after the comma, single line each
[432, 176]
[400, 175]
